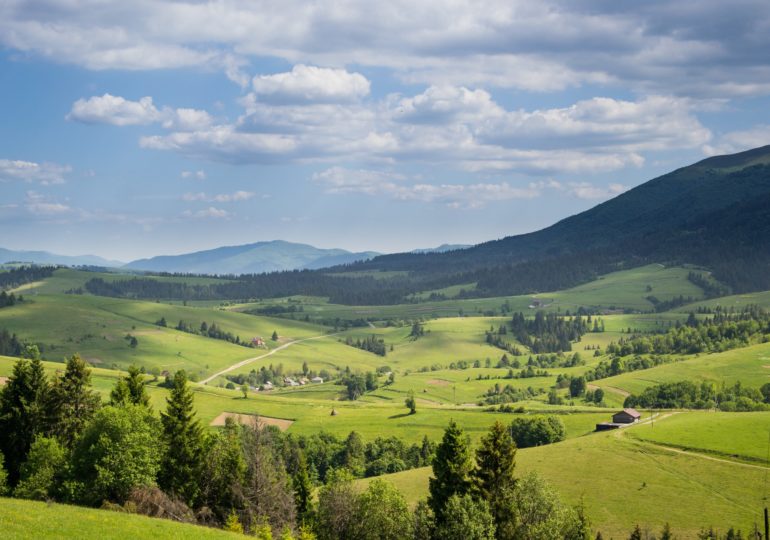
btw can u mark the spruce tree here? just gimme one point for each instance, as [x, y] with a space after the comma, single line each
[22, 413]
[452, 468]
[120, 395]
[303, 490]
[136, 389]
[494, 480]
[73, 401]
[183, 436]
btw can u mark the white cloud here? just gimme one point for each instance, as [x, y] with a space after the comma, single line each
[737, 141]
[311, 84]
[541, 46]
[118, 111]
[40, 205]
[236, 196]
[29, 171]
[115, 110]
[198, 175]
[210, 212]
[585, 190]
[399, 187]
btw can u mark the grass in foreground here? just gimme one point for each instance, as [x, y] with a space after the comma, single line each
[624, 482]
[21, 519]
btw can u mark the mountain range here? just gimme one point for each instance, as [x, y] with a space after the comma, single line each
[45, 257]
[256, 258]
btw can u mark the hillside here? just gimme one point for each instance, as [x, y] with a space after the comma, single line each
[19, 518]
[259, 257]
[711, 213]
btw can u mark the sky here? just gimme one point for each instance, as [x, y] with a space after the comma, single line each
[133, 129]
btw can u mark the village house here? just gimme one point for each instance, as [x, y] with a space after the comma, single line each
[316, 380]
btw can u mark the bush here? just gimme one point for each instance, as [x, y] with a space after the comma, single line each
[537, 430]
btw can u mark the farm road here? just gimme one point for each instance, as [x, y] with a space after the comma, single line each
[254, 359]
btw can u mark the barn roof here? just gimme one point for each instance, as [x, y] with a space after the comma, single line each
[632, 412]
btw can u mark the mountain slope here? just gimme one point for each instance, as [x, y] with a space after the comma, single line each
[254, 258]
[44, 257]
[679, 217]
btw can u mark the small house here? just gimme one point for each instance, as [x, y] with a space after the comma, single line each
[258, 342]
[316, 380]
[267, 386]
[626, 416]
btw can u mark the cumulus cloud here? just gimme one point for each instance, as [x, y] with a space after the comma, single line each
[311, 84]
[115, 110]
[537, 46]
[118, 111]
[29, 171]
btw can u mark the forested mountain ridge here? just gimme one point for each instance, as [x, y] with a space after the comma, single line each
[712, 213]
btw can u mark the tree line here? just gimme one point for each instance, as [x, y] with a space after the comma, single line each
[689, 395]
[10, 279]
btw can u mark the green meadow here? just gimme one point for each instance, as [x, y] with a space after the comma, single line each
[691, 469]
[623, 482]
[21, 520]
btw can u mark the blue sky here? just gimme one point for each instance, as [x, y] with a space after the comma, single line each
[131, 129]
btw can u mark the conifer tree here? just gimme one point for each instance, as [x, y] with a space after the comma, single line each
[495, 461]
[120, 395]
[452, 468]
[20, 418]
[303, 490]
[73, 401]
[183, 436]
[136, 389]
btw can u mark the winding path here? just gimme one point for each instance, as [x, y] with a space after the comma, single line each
[254, 359]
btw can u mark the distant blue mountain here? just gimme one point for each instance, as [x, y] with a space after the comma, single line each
[44, 257]
[254, 258]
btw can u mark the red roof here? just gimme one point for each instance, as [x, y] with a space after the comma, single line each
[632, 412]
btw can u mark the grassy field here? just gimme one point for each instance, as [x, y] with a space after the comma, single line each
[744, 436]
[737, 302]
[748, 365]
[21, 520]
[624, 482]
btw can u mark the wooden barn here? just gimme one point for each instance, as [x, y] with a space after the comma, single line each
[626, 416]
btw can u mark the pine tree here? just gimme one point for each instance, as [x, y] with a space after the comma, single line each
[22, 413]
[274, 337]
[183, 436]
[636, 534]
[493, 476]
[666, 534]
[73, 400]
[136, 388]
[452, 468]
[303, 490]
[120, 394]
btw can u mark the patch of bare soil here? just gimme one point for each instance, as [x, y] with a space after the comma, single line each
[252, 419]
